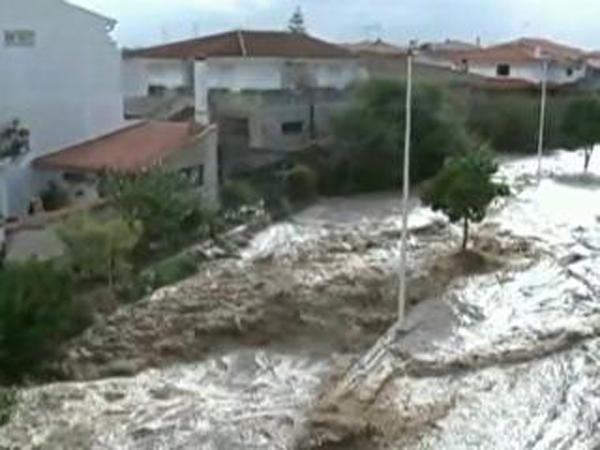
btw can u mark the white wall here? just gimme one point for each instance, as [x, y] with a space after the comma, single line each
[65, 89]
[267, 74]
[531, 71]
[141, 73]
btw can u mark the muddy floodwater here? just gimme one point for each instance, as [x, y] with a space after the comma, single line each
[292, 343]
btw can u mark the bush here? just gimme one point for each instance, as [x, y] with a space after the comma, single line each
[301, 184]
[167, 205]
[369, 137]
[464, 189]
[170, 271]
[509, 121]
[54, 197]
[37, 312]
[581, 125]
[100, 250]
[238, 193]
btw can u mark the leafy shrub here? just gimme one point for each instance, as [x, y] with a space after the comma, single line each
[464, 189]
[37, 312]
[170, 271]
[369, 137]
[238, 193]
[100, 249]
[14, 139]
[301, 184]
[54, 197]
[162, 202]
[164, 273]
[581, 125]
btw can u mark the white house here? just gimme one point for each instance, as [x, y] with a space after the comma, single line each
[60, 76]
[240, 60]
[522, 61]
[182, 147]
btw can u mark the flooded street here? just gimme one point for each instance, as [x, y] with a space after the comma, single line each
[293, 345]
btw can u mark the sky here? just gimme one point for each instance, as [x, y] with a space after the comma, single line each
[147, 22]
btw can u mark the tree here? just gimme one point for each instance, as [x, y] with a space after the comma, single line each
[369, 136]
[14, 140]
[167, 205]
[296, 24]
[100, 249]
[581, 125]
[464, 189]
[301, 184]
[37, 312]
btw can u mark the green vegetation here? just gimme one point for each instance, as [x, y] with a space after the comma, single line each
[509, 121]
[296, 24]
[14, 139]
[54, 197]
[170, 271]
[238, 193]
[8, 401]
[37, 312]
[301, 184]
[464, 189]
[582, 125]
[100, 249]
[167, 205]
[369, 137]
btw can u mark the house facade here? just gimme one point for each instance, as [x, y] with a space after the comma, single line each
[178, 147]
[523, 61]
[61, 78]
[275, 90]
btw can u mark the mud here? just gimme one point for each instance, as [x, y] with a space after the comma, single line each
[304, 287]
[291, 344]
[519, 365]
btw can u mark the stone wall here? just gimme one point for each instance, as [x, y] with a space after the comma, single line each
[278, 122]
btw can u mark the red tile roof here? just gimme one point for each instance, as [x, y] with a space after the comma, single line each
[377, 47]
[523, 50]
[244, 43]
[129, 149]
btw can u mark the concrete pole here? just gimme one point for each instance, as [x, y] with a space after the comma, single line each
[406, 188]
[542, 119]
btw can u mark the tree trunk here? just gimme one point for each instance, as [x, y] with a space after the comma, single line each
[588, 157]
[465, 233]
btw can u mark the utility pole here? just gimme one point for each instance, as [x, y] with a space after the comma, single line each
[406, 183]
[545, 63]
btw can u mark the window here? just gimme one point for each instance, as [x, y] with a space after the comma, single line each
[292, 127]
[156, 90]
[503, 70]
[19, 38]
[569, 71]
[194, 175]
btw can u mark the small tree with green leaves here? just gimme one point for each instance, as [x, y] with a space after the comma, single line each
[296, 24]
[100, 249]
[37, 312]
[166, 204]
[464, 189]
[581, 126]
